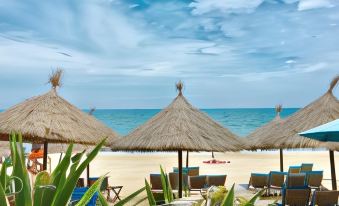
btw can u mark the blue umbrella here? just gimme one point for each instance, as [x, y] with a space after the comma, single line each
[328, 132]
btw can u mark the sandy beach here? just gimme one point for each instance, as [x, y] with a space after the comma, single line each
[130, 169]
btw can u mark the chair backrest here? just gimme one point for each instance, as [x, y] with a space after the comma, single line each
[294, 180]
[216, 180]
[297, 197]
[325, 198]
[259, 180]
[314, 178]
[190, 171]
[193, 171]
[306, 167]
[174, 180]
[294, 169]
[155, 180]
[197, 182]
[276, 179]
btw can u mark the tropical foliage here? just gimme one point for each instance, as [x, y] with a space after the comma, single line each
[55, 188]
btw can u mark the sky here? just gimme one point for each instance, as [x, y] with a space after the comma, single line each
[130, 53]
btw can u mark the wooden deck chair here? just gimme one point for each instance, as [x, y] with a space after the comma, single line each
[276, 181]
[258, 180]
[314, 179]
[294, 169]
[325, 198]
[216, 180]
[155, 181]
[174, 180]
[294, 180]
[196, 183]
[296, 197]
[306, 167]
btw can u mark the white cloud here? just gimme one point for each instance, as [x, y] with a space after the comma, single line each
[226, 6]
[314, 4]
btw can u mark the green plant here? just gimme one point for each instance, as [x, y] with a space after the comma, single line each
[55, 188]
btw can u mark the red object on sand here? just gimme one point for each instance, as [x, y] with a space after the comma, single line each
[214, 161]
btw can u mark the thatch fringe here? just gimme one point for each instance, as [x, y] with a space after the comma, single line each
[55, 78]
[179, 85]
[278, 108]
[333, 83]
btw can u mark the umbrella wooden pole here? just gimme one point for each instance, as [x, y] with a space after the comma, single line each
[212, 155]
[44, 167]
[333, 176]
[187, 159]
[180, 173]
[281, 160]
[87, 176]
[60, 157]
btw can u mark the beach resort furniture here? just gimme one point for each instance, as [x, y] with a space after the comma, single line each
[155, 180]
[81, 182]
[196, 183]
[174, 180]
[306, 167]
[325, 198]
[296, 197]
[276, 180]
[314, 179]
[79, 192]
[258, 180]
[294, 180]
[105, 187]
[294, 169]
[190, 171]
[216, 180]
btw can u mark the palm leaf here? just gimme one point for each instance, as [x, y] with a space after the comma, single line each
[130, 197]
[229, 198]
[150, 196]
[90, 192]
[41, 184]
[19, 170]
[253, 199]
[63, 195]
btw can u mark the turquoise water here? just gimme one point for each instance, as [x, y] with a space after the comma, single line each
[239, 121]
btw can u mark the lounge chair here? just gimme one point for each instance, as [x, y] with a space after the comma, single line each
[296, 180]
[306, 167]
[258, 180]
[105, 187]
[294, 169]
[155, 180]
[216, 180]
[276, 181]
[190, 171]
[196, 183]
[79, 192]
[325, 198]
[314, 179]
[296, 197]
[174, 180]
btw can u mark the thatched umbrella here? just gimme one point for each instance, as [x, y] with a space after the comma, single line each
[178, 127]
[51, 119]
[321, 111]
[258, 138]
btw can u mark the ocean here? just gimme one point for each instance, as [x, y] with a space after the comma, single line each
[239, 121]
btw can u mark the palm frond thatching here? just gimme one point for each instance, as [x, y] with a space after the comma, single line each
[258, 138]
[180, 126]
[51, 118]
[321, 111]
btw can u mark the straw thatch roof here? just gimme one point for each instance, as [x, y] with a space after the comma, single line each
[51, 118]
[180, 126]
[259, 136]
[321, 111]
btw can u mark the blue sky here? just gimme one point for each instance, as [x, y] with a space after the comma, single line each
[129, 54]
